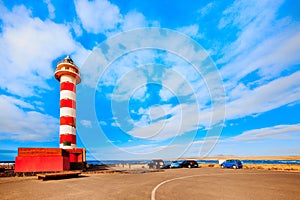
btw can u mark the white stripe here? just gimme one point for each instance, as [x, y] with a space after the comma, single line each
[67, 94]
[68, 78]
[199, 175]
[66, 129]
[65, 111]
[73, 146]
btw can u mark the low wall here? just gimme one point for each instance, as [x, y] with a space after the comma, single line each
[132, 166]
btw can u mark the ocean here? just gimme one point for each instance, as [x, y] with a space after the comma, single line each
[113, 162]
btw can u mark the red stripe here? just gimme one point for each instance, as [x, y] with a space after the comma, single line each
[67, 138]
[67, 103]
[67, 86]
[68, 120]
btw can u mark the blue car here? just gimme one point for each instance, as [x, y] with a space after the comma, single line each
[235, 164]
[175, 164]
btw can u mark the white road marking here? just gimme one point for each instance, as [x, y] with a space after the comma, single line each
[169, 180]
[184, 177]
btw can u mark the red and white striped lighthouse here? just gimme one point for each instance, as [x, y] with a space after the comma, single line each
[67, 73]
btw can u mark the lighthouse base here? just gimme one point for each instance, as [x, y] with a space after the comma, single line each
[49, 159]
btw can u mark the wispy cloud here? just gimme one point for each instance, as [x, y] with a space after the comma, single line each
[192, 31]
[264, 47]
[280, 92]
[206, 9]
[279, 132]
[182, 118]
[86, 123]
[17, 124]
[264, 42]
[271, 140]
[51, 9]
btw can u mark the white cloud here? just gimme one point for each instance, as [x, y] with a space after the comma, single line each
[182, 118]
[138, 151]
[140, 93]
[241, 13]
[177, 77]
[125, 65]
[264, 42]
[275, 140]
[86, 123]
[28, 46]
[264, 48]
[157, 112]
[182, 79]
[125, 87]
[208, 139]
[148, 150]
[17, 102]
[17, 124]
[115, 124]
[269, 61]
[192, 31]
[75, 25]
[98, 16]
[176, 83]
[138, 41]
[101, 16]
[280, 92]
[279, 132]
[247, 102]
[51, 9]
[102, 123]
[206, 9]
[134, 20]
[279, 58]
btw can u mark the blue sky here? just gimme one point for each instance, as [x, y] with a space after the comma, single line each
[159, 79]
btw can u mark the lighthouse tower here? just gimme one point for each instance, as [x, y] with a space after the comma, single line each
[67, 73]
[67, 157]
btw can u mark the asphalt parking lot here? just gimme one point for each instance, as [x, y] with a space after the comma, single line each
[198, 183]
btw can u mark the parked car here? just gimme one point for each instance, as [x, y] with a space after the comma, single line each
[156, 164]
[235, 164]
[189, 164]
[175, 164]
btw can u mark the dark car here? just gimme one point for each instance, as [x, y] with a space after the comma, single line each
[189, 164]
[235, 164]
[156, 164]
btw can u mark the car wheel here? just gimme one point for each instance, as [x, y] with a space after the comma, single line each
[189, 166]
[222, 166]
[234, 167]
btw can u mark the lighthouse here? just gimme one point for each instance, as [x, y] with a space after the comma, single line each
[67, 73]
[67, 156]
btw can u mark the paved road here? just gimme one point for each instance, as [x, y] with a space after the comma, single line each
[201, 183]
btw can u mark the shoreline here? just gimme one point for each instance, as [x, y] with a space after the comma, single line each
[246, 158]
